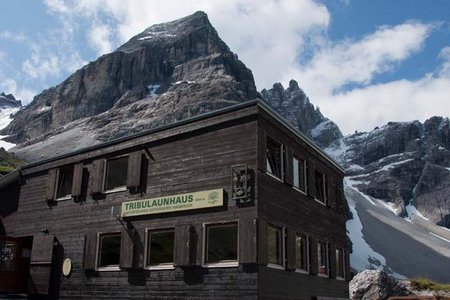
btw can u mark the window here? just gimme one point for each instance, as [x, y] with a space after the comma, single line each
[321, 187]
[322, 254]
[274, 157]
[160, 248]
[8, 254]
[301, 252]
[109, 250]
[116, 173]
[275, 245]
[300, 174]
[64, 187]
[340, 269]
[221, 244]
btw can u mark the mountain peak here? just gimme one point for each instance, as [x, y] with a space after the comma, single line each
[8, 100]
[192, 27]
[166, 73]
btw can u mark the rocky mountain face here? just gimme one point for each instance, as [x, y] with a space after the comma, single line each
[293, 104]
[166, 73]
[404, 164]
[9, 101]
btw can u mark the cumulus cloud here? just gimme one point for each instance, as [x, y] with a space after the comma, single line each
[337, 64]
[401, 100]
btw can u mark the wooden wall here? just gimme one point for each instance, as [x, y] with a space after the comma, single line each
[282, 205]
[195, 161]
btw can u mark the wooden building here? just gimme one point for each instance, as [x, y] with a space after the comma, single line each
[233, 203]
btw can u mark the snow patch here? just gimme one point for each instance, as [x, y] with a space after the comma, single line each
[45, 108]
[337, 151]
[353, 184]
[317, 131]
[390, 166]
[184, 81]
[4, 144]
[412, 210]
[152, 88]
[439, 237]
[5, 114]
[390, 206]
[355, 167]
[5, 119]
[362, 252]
[156, 35]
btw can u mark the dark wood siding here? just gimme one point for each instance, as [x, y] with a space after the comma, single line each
[193, 162]
[247, 241]
[279, 284]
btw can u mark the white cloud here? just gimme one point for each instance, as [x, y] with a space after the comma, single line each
[338, 64]
[99, 38]
[401, 100]
[445, 68]
[10, 86]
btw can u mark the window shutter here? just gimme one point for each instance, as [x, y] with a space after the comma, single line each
[247, 241]
[126, 250]
[262, 153]
[139, 248]
[90, 251]
[51, 185]
[182, 247]
[97, 174]
[262, 242]
[311, 181]
[77, 180]
[313, 257]
[41, 264]
[134, 169]
[290, 249]
[332, 260]
[288, 161]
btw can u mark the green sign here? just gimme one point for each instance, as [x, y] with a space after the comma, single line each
[197, 200]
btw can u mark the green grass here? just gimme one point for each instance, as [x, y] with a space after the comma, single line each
[427, 284]
[8, 162]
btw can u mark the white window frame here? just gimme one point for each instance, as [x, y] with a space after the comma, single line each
[281, 178]
[307, 251]
[305, 174]
[224, 264]
[68, 196]
[97, 253]
[167, 266]
[105, 170]
[343, 263]
[327, 252]
[283, 247]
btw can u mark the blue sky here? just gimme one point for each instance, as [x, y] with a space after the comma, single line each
[364, 63]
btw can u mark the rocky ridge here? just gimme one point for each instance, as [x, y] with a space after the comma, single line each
[9, 101]
[293, 104]
[407, 165]
[166, 73]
